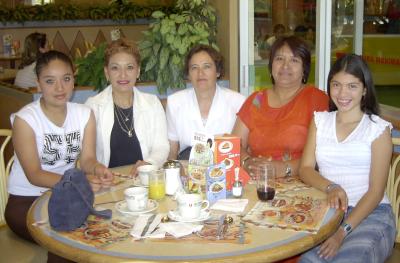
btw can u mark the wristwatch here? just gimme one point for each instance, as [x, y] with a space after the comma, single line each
[347, 228]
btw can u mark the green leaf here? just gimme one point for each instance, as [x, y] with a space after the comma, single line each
[145, 44]
[156, 47]
[183, 28]
[158, 14]
[145, 53]
[164, 55]
[176, 59]
[151, 63]
[179, 19]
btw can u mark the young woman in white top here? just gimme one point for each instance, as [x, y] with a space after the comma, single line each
[206, 108]
[49, 135]
[131, 125]
[351, 145]
[35, 44]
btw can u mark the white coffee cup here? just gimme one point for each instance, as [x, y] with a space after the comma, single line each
[191, 205]
[144, 172]
[136, 198]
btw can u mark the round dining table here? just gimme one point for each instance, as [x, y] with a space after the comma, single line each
[264, 245]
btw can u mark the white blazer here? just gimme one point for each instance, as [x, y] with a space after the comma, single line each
[149, 122]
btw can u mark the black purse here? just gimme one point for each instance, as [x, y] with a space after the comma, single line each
[71, 202]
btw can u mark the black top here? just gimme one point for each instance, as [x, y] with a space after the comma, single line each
[124, 149]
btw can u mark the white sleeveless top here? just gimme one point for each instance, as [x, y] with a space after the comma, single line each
[58, 147]
[348, 162]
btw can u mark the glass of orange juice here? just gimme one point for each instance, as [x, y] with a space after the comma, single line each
[157, 184]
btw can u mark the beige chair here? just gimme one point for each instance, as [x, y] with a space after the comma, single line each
[392, 188]
[4, 172]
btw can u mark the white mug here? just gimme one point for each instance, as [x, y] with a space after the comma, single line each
[136, 198]
[191, 205]
[144, 172]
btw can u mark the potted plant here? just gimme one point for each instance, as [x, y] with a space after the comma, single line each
[91, 68]
[169, 38]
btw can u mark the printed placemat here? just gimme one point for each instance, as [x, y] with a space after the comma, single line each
[292, 212]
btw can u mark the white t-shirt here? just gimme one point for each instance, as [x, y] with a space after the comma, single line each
[58, 147]
[348, 162]
[184, 118]
[26, 77]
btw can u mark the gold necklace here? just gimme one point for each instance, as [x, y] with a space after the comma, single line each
[120, 111]
[127, 130]
[122, 114]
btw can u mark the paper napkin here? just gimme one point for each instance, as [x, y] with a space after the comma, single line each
[141, 223]
[178, 229]
[230, 205]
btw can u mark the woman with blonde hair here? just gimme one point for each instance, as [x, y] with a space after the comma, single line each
[131, 125]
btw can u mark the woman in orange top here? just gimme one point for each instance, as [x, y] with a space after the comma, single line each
[273, 123]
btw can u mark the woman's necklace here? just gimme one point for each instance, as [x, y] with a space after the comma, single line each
[121, 119]
[126, 118]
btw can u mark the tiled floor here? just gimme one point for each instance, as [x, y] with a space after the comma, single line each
[14, 249]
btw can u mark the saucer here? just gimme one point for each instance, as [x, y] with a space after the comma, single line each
[174, 215]
[123, 208]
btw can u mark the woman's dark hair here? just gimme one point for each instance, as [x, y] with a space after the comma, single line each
[32, 44]
[212, 52]
[354, 65]
[49, 56]
[298, 47]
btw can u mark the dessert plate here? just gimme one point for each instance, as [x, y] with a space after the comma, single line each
[123, 208]
[174, 215]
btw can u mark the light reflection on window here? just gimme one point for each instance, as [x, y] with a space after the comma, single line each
[38, 2]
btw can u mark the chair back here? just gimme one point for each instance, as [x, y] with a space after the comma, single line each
[5, 167]
[392, 187]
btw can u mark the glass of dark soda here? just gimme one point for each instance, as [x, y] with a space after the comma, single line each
[265, 182]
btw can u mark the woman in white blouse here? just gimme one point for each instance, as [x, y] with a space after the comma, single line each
[206, 108]
[131, 125]
[352, 147]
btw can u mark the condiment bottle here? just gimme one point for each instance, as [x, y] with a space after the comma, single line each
[172, 176]
[237, 188]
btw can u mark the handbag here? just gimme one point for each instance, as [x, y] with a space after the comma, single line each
[71, 202]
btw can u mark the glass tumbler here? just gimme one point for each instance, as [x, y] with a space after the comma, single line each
[265, 174]
[157, 184]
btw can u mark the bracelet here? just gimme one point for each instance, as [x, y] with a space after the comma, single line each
[347, 228]
[330, 187]
[245, 159]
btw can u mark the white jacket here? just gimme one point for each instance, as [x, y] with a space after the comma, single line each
[150, 125]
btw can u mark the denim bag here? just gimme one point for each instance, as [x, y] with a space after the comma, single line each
[71, 202]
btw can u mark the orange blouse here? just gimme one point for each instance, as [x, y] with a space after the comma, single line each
[272, 131]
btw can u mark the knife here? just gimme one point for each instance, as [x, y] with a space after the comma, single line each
[146, 228]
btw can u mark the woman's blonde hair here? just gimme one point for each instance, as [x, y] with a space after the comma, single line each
[118, 46]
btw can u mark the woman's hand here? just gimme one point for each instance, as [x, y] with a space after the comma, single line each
[103, 178]
[105, 175]
[337, 198]
[331, 246]
[134, 171]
